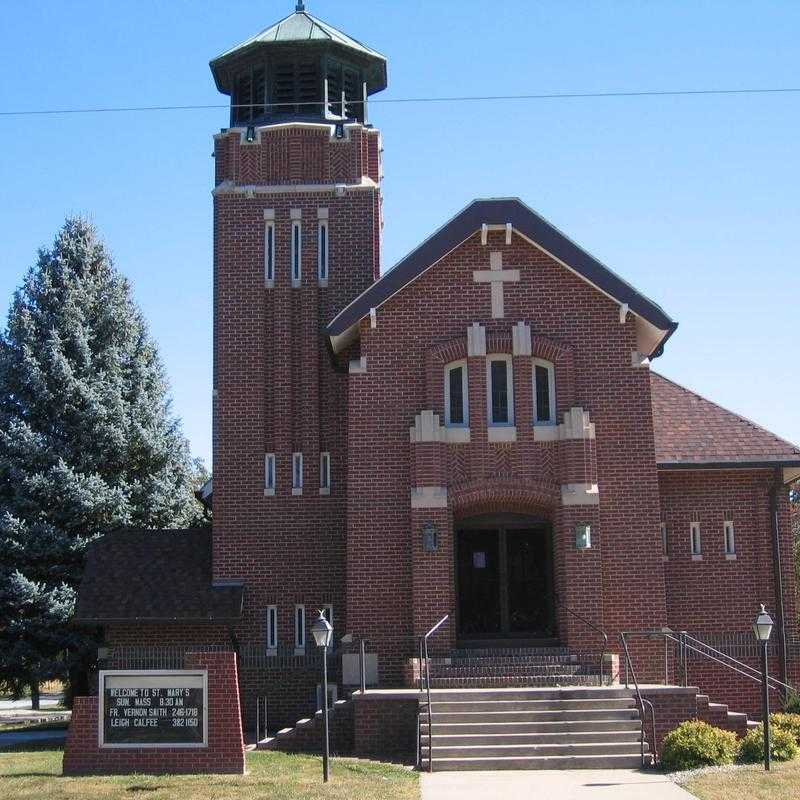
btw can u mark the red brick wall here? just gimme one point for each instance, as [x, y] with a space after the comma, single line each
[386, 729]
[416, 332]
[224, 753]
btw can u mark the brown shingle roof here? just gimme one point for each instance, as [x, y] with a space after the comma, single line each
[692, 430]
[154, 575]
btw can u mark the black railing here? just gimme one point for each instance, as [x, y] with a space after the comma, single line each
[642, 703]
[595, 628]
[425, 686]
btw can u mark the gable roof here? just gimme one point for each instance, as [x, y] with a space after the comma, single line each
[155, 576]
[692, 431]
[527, 223]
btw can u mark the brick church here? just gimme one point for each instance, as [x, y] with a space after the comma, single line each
[475, 432]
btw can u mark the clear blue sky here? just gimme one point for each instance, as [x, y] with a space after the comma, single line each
[694, 200]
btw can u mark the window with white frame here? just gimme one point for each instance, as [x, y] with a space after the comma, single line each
[269, 252]
[296, 254]
[500, 390]
[544, 393]
[324, 473]
[297, 473]
[694, 539]
[272, 629]
[327, 612]
[456, 402]
[322, 250]
[730, 538]
[269, 473]
[299, 627]
[664, 540]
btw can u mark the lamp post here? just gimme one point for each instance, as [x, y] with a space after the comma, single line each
[322, 631]
[762, 628]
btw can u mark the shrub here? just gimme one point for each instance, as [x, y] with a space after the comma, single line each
[793, 703]
[789, 722]
[697, 744]
[783, 745]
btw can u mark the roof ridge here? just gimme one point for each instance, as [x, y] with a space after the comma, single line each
[736, 414]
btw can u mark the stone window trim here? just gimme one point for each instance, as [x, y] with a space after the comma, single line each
[297, 473]
[296, 254]
[271, 622]
[494, 358]
[299, 629]
[695, 541]
[552, 417]
[457, 365]
[323, 251]
[325, 473]
[269, 475]
[269, 248]
[729, 539]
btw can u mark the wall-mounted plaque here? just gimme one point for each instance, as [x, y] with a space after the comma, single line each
[153, 708]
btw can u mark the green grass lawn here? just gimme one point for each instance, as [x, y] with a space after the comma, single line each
[36, 775]
[752, 782]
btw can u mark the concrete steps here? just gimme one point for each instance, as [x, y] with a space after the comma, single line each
[573, 728]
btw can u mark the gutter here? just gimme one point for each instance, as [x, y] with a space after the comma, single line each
[774, 502]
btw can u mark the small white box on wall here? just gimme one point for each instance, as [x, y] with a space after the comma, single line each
[351, 675]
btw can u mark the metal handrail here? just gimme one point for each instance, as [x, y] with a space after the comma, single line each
[641, 701]
[741, 667]
[424, 654]
[594, 627]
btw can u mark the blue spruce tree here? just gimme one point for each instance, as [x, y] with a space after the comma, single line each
[88, 444]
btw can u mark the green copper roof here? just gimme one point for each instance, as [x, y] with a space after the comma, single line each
[297, 28]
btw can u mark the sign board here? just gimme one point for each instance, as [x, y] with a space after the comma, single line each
[153, 708]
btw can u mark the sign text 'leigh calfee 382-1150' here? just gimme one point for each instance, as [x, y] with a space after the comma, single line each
[153, 708]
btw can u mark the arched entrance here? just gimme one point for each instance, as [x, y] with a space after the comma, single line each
[504, 580]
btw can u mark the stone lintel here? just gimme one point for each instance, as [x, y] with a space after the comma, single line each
[429, 497]
[580, 494]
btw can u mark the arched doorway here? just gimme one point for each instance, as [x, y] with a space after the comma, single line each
[504, 580]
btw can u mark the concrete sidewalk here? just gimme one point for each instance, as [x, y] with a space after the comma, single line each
[615, 784]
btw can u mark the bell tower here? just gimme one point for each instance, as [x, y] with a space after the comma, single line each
[297, 228]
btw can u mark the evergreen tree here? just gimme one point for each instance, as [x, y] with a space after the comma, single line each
[88, 444]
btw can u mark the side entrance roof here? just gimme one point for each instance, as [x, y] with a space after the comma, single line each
[497, 214]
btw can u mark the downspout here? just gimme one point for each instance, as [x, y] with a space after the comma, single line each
[777, 486]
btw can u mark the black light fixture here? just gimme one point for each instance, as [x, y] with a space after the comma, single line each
[251, 133]
[322, 631]
[762, 628]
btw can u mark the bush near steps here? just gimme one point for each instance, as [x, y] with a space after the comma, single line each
[697, 744]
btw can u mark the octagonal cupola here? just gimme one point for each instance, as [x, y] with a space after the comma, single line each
[299, 68]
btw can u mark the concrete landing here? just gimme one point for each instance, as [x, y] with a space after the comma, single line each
[614, 784]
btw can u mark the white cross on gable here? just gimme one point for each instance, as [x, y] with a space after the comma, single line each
[496, 276]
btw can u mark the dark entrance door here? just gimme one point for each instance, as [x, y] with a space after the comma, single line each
[505, 581]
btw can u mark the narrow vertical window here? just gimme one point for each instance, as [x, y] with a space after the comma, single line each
[324, 473]
[297, 473]
[296, 255]
[544, 393]
[664, 540]
[322, 251]
[456, 402]
[500, 394]
[327, 612]
[730, 541]
[269, 473]
[269, 253]
[272, 630]
[694, 536]
[299, 628]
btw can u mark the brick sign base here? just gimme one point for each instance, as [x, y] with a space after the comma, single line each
[224, 753]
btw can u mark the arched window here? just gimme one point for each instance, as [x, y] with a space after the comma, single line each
[499, 390]
[456, 400]
[544, 393]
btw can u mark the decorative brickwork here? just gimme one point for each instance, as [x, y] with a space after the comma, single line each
[224, 753]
